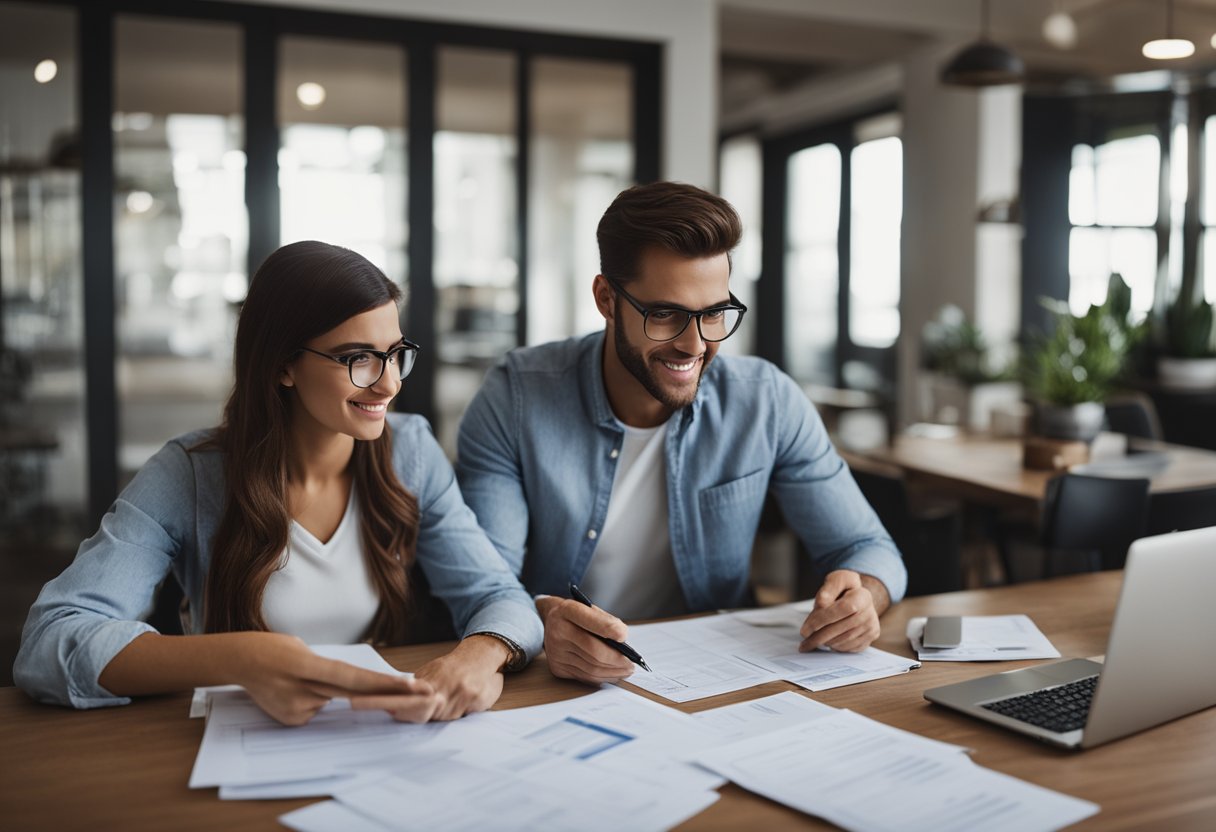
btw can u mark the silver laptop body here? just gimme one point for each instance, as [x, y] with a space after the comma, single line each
[1159, 661]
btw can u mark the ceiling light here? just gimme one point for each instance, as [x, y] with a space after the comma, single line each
[310, 95]
[1059, 29]
[1168, 48]
[984, 63]
[46, 71]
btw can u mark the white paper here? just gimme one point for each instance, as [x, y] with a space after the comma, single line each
[732, 723]
[862, 775]
[242, 745]
[987, 638]
[331, 816]
[360, 655]
[700, 657]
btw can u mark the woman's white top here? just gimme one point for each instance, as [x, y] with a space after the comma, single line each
[322, 593]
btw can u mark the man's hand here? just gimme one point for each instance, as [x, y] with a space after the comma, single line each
[571, 646]
[291, 683]
[846, 613]
[469, 678]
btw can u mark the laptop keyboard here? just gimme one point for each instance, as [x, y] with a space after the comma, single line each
[1059, 709]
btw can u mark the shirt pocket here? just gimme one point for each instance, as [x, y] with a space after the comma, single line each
[730, 513]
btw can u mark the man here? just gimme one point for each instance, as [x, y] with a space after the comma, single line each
[635, 462]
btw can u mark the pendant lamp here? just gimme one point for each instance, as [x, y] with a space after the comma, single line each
[1168, 48]
[984, 63]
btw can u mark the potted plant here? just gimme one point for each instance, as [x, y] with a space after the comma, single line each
[956, 355]
[1071, 372]
[1188, 346]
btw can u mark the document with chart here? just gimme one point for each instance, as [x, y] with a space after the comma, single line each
[700, 657]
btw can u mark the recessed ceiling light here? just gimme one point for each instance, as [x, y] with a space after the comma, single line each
[46, 71]
[1060, 30]
[311, 95]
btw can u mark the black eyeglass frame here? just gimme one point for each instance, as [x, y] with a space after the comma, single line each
[646, 312]
[347, 359]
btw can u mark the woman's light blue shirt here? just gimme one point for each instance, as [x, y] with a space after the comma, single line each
[164, 521]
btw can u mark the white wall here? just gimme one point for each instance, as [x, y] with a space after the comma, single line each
[961, 149]
[688, 30]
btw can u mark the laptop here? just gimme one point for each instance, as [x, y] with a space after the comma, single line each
[1158, 664]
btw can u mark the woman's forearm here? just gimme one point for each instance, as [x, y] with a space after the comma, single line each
[155, 663]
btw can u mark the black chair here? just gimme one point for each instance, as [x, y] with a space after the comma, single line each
[1133, 414]
[166, 615]
[1096, 518]
[931, 542]
[1180, 511]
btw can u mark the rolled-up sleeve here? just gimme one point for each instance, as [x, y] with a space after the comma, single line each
[86, 616]
[461, 564]
[821, 500]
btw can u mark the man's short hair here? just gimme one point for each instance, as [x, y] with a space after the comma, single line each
[682, 219]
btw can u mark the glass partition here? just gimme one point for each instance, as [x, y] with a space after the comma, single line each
[581, 158]
[342, 169]
[476, 262]
[180, 226]
[43, 499]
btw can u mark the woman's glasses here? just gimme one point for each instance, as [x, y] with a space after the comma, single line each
[366, 367]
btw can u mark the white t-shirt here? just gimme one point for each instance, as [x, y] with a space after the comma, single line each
[632, 574]
[322, 593]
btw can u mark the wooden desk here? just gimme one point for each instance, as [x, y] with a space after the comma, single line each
[989, 470]
[127, 768]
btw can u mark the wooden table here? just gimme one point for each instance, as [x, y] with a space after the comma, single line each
[127, 768]
[988, 470]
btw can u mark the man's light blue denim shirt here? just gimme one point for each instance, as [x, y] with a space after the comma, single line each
[165, 520]
[537, 452]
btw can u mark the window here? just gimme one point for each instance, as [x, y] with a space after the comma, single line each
[812, 265]
[877, 212]
[1113, 208]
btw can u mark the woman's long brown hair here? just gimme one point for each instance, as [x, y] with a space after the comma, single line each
[303, 290]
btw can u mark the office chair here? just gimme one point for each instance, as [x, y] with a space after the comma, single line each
[930, 542]
[1133, 414]
[1096, 516]
[1179, 511]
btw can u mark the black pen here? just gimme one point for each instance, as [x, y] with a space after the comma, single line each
[619, 646]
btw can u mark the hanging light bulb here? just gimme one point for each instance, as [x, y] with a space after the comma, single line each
[983, 63]
[1168, 48]
[1059, 29]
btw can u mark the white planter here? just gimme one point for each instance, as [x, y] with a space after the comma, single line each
[1187, 373]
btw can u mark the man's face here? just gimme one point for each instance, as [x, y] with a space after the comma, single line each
[670, 371]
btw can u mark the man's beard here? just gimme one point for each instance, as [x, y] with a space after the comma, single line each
[631, 358]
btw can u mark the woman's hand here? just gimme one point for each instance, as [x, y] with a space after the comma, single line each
[469, 679]
[291, 683]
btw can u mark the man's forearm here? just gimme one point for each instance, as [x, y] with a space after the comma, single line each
[882, 598]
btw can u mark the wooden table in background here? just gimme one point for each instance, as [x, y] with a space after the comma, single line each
[126, 768]
[988, 471]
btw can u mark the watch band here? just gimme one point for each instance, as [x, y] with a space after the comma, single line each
[516, 660]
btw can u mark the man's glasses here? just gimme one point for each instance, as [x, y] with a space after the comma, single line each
[666, 323]
[366, 367]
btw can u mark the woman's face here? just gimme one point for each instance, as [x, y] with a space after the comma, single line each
[325, 396]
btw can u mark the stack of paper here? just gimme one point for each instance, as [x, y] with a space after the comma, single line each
[863, 775]
[701, 657]
[987, 638]
[623, 754]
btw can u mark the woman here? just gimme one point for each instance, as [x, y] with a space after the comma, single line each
[296, 520]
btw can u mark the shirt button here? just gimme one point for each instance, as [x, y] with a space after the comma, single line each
[592, 534]
[615, 453]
